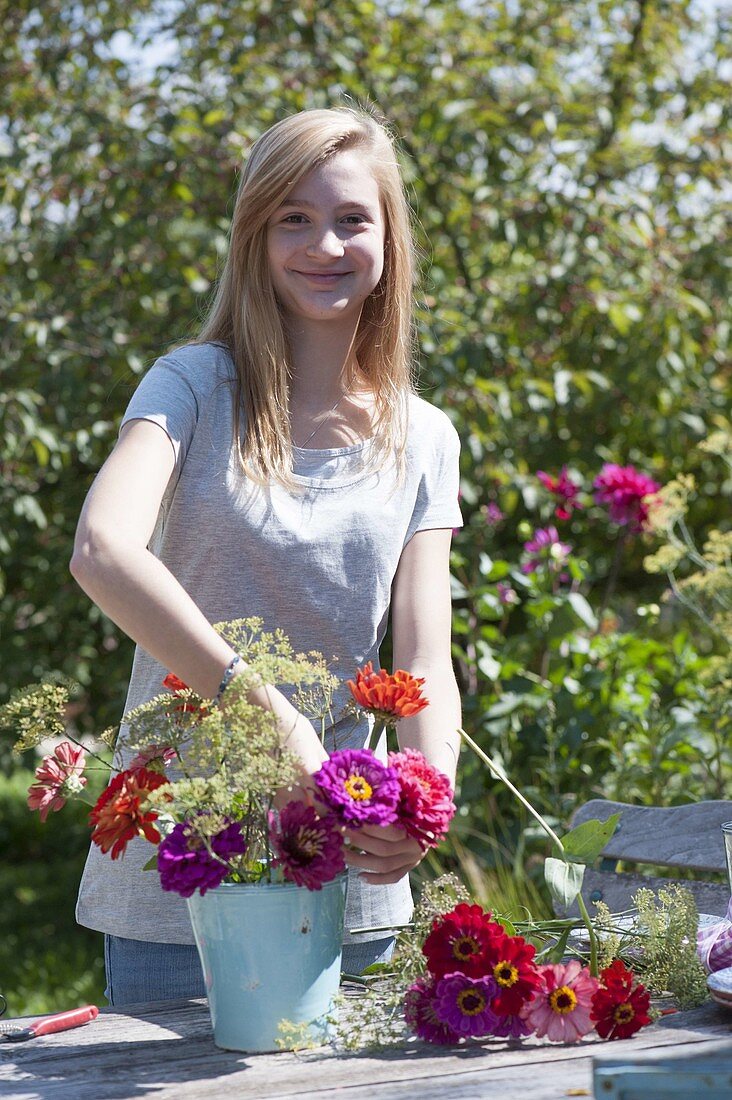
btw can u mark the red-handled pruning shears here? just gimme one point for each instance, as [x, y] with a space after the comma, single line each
[48, 1025]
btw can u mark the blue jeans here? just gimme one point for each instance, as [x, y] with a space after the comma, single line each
[140, 971]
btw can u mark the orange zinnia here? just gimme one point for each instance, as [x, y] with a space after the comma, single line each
[119, 814]
[388, 696]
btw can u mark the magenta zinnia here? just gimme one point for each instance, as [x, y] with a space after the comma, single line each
[425, 804]
[58, 777]
[358, 787]
[560, 1009]
[307, 847]
[465, 1004]
[420, 1016]
[626, 491]
[564, 489]
[186, 865]
[545, 548]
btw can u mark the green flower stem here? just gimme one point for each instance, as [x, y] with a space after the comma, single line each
[376, 733]
[500, 774]
[591, 932]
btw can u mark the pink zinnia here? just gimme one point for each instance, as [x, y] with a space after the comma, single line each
[625, 490]
[154, 757]
[420, 1016]
[564, 489]
[58, 777]
[545, 548]
[560, 1009]
[425, 806]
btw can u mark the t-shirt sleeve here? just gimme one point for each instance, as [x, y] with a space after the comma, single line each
[167, 396]
[439, 492]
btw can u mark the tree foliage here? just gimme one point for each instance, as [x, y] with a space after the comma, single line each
[566, 162]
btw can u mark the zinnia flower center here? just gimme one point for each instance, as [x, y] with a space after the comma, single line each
[563, 1000]
[309, 844]
[470, 1002]
[358, 788]
[505, 974]
[623, 1014]
[465, 947]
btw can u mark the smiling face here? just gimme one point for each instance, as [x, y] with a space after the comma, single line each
[325, 243]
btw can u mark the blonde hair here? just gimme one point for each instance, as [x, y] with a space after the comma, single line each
[245, 314]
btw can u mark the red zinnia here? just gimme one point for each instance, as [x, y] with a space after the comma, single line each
[619, 1008]
[464, 940]
[119, 814]
[515, 972]
[388, 696]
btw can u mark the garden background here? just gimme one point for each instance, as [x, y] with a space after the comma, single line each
[567, 166]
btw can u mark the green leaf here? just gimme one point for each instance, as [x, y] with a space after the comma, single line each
[563, 879]
[582, 609]
[584, 844]
[152, 863]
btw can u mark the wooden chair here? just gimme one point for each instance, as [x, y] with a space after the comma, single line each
[676, 836]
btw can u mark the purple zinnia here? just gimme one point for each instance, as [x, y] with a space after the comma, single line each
[359, 788]
[185, 864]
[419, 1013]
[465, 1004]
[308, 848]
[510, 1027]
[626, 491]
[545, 548]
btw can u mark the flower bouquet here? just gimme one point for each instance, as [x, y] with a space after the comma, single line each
[208, 786]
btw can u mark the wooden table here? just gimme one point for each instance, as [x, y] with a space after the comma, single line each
[165, 1051]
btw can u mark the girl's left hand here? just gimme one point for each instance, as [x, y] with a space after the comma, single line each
[384, 853]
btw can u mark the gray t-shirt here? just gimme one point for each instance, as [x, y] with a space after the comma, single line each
[318, 563]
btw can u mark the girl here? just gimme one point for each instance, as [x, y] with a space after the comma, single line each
[282, 466]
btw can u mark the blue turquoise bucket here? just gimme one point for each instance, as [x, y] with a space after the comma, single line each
[270, 953]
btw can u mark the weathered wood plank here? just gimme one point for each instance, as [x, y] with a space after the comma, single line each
[674, 836]
[168, 1053]
[616, 889]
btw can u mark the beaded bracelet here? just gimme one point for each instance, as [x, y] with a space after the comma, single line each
[226, 678]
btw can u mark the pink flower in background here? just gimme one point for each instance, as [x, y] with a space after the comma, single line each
[492, 513]
[307, 847]
[419, 1013]
[425, 805]
[506, 594]
[560, 1009]
[545, 548]
[625, 490]
[564, 489]
[57, 777]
